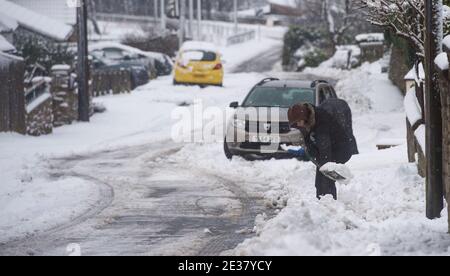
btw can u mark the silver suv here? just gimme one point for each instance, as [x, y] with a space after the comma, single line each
[260, 126]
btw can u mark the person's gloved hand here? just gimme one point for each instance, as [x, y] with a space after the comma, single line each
[301, 152]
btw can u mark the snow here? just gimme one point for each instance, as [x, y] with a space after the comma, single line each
[441, 61]
[5, 46]
[61, 67]
[420, 135]
[412, 107]
[380, 212]
[34, 21]
[198, 46]
[105, 44]
[374, 37]
[289, 3]
[38, 201]
[412, 74]
[235, 54]
[56, 9]
[142, 117]
[5, 59]
[340, 58]
[446, 42]
[38, 101]
[366, 89]
[7, 24]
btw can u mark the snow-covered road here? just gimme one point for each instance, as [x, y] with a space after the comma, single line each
[149, 204]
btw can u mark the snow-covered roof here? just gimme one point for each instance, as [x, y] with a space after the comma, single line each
[36, 22]
[7, 24]
[5, 46]
[373, 37]
[55, 9]
[289, 3]
[199, 45]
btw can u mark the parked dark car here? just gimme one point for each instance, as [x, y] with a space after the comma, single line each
[157, 64]
[260, 125]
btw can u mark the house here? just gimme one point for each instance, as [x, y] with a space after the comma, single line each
[285, 7]
[6, 46]
[30, 23]
[7, 27]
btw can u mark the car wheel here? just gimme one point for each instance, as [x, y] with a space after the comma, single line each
[175, 82]
[227, 151]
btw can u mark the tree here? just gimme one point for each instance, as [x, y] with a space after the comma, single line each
[405, 18]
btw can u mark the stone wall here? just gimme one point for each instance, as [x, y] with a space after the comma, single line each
[40, 116]
[399, 68]
[371, 51]
[65, 97]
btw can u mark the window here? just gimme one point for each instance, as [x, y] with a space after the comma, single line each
[279, 97]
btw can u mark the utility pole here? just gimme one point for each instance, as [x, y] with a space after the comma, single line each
[433, 115]
[163, 15]
[155, 10]
[181, 30]
[83, 63]
[199, 19]
[191, 18]
[235, 16]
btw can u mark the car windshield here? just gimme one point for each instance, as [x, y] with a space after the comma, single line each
[199, 56]
[279, 97]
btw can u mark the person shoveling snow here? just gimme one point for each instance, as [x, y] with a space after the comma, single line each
[329, 141]
[336, 172]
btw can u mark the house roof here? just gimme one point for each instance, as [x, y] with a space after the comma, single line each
[55, 9]
[7, 24]
[36, 22]
[5, 46]
[287, 3]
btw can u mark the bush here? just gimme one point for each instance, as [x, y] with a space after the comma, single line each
[45, 53]
[298, 37]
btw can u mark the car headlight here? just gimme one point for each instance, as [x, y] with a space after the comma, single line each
[238, 123]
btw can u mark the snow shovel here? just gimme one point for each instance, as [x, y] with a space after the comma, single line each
[328, 170]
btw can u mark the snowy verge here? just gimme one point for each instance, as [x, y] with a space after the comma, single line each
[380, 212]
[237, 54]
[43, 203]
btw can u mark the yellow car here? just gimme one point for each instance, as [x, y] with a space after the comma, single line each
[198, 63]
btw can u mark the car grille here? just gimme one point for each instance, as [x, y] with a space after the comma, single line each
[258, 146]
[260, 127]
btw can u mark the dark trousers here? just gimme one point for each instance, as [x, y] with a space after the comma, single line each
[326, 186]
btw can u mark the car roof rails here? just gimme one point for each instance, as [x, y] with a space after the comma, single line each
[266, 80]
[317, 82]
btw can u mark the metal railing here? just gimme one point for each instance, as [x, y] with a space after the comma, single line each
[35, 91]
[241, 38]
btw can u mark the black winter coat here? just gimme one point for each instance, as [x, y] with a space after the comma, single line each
[331, 140]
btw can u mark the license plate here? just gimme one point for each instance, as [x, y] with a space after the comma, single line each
[264, 139]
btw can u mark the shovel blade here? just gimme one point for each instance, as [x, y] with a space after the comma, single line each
[333, 175]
